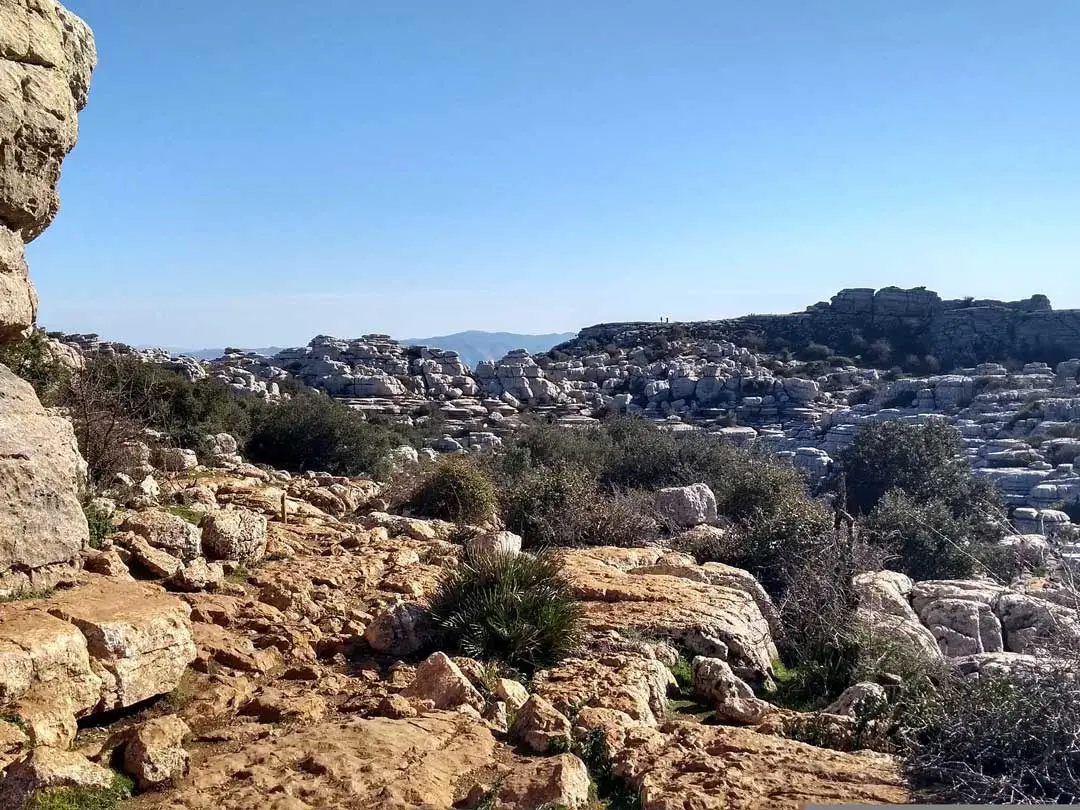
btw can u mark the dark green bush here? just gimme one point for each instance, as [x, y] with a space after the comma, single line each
[927, 539]
[878, 353]
[923, 461]
[456, 490]
[815, 351]
[31, 359]
[315, 432]
[100, 525]
[518, 609]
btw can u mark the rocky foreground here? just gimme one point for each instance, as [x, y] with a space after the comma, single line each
[276, 658]
[276, 655]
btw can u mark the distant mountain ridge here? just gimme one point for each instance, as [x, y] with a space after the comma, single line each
[474, 346]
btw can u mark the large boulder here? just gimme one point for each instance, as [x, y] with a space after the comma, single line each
[46, 57]
[167, 532]
[235, 534]
[42, 526]
[686, 506]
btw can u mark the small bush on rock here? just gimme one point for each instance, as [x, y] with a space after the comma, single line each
[516, 608]
[456, 490]
[99, 523]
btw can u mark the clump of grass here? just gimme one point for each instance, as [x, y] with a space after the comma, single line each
[518, 609]
[69, 798]
[683, 672]
[192, 516]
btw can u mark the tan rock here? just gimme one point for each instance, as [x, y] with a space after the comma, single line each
[45, 768]
[152, 560]
[41, 473]
[734, 700]
[713, 620]
[235, 534]
[167, 532]
[441, 681]
[139, 637]
[512, 693]
[46, 57]
[13, 740]
[400, 629]
[729, 768]
[355, 763]
[396, 707]
[45, 656]
[561, 781]
[636, 687]
[155, 754]
[275, 706]
[540, 726]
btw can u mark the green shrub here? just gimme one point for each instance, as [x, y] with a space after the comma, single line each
[100, 525]
[456, 490]
[926, 539]
[924, 461]
[815, 351]
[31, 359]
[518, 609]
[879, 353]
[68, 798]
[565, 507]
[993, 740]
[316, 432]
[862, 395]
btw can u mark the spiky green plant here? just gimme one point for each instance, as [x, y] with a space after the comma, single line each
[519, 609]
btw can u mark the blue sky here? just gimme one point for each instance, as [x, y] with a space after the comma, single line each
[256, 173]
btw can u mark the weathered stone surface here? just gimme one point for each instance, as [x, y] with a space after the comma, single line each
[400, 629]
[46, 57]
[712, 620]
[733, 699]
[540, 726]
[561, 781]
[45, 768]
[45, 659]
[167, 532]
[41, 473]
[362, 763]
[729, 768]
[235, 534]
[857, 697]
[686, 506]
[439, 680]
[493, 543]
[155, 754]
[633, 686]
[139, 637]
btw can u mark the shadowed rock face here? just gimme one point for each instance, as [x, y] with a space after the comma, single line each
[46, 57]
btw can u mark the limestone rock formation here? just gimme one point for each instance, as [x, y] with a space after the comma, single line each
[46, 57]
[42, 526]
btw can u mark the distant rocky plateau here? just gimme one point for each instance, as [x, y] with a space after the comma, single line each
[1019, 413]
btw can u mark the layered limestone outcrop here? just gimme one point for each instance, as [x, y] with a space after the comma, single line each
[46, 57]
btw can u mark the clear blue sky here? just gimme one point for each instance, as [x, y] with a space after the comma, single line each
[257, 172]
